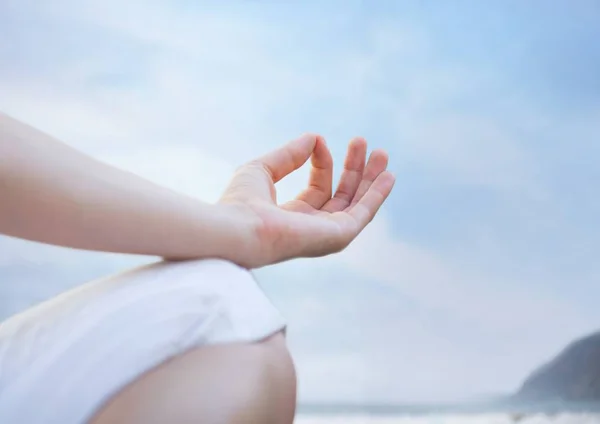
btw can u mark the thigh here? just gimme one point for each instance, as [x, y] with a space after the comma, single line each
[246, 383]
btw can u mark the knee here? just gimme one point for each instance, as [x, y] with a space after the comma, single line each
[278, 359]
[204, 271]
[277, 379]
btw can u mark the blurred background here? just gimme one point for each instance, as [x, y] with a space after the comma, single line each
[482, 264]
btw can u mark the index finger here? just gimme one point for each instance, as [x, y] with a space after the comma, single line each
[321, 175]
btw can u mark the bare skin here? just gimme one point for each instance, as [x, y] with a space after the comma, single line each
[54, 194]
[233, 384]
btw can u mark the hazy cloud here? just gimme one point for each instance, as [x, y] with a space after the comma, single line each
[483, 262]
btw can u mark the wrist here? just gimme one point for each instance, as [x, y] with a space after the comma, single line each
[232, 234]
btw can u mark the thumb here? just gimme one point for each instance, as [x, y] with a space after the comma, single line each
[288, 158]
[256, 178]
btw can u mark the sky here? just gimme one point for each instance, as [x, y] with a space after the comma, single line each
[483, 262]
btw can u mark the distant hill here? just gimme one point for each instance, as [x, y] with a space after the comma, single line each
[573, 375]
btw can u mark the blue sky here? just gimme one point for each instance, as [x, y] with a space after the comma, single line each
[482, 263]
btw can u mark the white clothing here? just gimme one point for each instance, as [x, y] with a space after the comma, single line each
[61, 360]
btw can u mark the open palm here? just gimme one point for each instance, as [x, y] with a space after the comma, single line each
[317, 222]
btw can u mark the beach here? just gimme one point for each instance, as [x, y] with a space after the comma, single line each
[497, 418]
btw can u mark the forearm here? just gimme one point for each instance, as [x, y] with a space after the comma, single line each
[52, 193]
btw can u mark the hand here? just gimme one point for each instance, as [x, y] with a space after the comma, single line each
[315, 223]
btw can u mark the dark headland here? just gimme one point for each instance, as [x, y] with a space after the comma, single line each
[572, 376]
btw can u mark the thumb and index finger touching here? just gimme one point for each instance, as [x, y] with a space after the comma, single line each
[291, 156]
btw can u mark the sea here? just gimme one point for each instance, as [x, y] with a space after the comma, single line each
[495, 412]
[491, 418]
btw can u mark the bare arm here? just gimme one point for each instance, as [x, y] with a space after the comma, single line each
[52, 193]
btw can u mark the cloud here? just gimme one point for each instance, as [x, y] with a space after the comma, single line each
[204, 84]
[422, 276]
[456, 288]
[407, 326]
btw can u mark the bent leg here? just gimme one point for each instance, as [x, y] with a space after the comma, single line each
[70, 355]
[251, 383]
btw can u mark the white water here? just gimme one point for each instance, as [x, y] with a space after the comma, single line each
[500, 418]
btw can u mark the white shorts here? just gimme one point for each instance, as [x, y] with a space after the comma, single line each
[61, 360]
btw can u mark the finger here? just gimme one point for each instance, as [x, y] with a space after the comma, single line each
[321, 176]
[378, 162]
[289, 158]
[354, 166]
[256, 178]
[366, 208]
